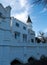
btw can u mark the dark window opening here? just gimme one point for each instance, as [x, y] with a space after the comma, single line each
[32, 40]
[17, 35]
[0, 14]
[24, 28]
[24, 37]
[17, 24]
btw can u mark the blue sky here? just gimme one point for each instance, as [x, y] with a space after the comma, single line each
[22, 8]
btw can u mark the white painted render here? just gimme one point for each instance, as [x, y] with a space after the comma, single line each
[16, 48]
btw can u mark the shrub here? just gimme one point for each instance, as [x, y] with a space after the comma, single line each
[14, 62]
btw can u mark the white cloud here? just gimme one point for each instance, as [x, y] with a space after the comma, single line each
[23, 3]
[20, 8]
[44, 10]
[22, 16]
[32, 5]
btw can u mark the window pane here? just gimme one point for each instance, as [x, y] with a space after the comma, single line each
[32, 40]
[17, 35]
[24, 28]
[24, 37]
[17, 24]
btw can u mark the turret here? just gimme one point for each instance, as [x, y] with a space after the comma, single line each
[29, 20]
[29, 23]
[31, 33]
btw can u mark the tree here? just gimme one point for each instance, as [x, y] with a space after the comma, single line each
[41, 34]
[31, 60]
[43, 60]
[37, 40]
[42, 37]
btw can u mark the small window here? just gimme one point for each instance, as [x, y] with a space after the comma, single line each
[32, 40]
[24, 37]
[24, 28]
[17, 24]
[17, 35]
[0, 14]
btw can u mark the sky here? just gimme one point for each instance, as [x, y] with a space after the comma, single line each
[22, 8]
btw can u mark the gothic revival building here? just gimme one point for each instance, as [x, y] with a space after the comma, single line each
[17, 39]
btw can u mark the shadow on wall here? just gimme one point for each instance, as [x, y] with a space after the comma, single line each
[41, 61]
[31, 61]
[15, 61]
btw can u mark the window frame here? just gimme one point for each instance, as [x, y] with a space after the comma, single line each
[24, 27]
[17, 24]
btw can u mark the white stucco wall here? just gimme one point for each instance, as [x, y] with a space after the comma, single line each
[10, 52]
[10, 48]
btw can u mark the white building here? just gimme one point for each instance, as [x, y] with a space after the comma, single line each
[17, 39]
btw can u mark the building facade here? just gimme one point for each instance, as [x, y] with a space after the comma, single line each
[17, 39]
